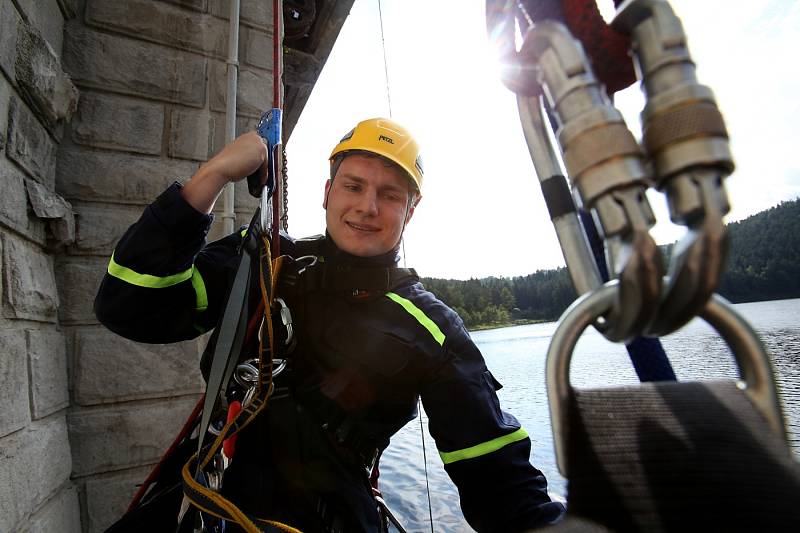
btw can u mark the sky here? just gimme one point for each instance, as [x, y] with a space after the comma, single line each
[482, 212]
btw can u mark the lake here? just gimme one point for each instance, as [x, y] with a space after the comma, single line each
[516, 357]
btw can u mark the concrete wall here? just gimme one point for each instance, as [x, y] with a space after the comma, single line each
[103, 103]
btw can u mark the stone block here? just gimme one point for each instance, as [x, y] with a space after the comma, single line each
[176, 27]
[14, 206]
[196, 5]
[78, 279]
[129, 66]
[34, 464]
[108, 497]
[61, 514]
[46, 16]
[40, 78]
[126, 435]
[28, 282]
[119, 123]
[9, 24]
[29, 144]
[218, 86]
[15, 413]
[253, 12]
[219, 127]
[100, 227]
[108, 368]
[5, 99]
[257, 48]
[55, 211]
[49, 387]
[190, 134]
[118, 178]
[253, 93]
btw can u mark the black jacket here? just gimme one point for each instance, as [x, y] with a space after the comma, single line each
[356, 373]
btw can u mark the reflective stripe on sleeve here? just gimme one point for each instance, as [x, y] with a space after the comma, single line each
[159, 282]
[199, 290]
[483, 448]
[421, 317]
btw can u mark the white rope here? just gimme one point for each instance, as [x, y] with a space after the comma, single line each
[403, 244]
[385, 63]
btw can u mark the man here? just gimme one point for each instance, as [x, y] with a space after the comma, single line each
[370, 341]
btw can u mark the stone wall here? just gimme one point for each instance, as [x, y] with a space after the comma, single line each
[36, 100]
[103, 103]
[152, 81]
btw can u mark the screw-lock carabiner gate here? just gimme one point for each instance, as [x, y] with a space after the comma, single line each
[684, 152]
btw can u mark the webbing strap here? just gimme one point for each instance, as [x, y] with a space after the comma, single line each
[214, 504]
[229, 342]
[672, 456]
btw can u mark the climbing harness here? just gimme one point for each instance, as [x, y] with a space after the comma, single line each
[663, 455]
[202, 474]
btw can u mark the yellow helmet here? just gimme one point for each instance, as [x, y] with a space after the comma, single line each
[387, 138]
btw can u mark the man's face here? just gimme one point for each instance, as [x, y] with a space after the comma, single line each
[367, 205]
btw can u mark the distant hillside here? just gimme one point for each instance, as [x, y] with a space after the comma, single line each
[763, 264]
[764, 257]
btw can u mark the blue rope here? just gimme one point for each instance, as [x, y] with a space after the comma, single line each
[646, 353]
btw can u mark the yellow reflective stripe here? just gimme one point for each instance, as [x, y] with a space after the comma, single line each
[243, 232]
[484, 447]
[146, 280]
[199, 290]
[158, 282]
[421, 317]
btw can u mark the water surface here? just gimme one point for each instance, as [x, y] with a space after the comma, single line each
[516, 357]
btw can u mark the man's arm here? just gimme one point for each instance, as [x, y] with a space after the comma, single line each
[245, 155]
[163, 284]
[484, 449]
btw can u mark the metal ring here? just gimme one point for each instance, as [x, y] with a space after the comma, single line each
[751, 357]
[246, 374]
[286, 319]
[278, 366]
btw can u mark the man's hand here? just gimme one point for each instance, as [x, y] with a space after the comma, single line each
[245, 155]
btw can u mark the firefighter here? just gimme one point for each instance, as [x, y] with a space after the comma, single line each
[370, 341]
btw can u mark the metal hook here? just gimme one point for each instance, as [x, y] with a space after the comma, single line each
[606, 167]
[685, 138]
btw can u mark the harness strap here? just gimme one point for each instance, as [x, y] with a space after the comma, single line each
[232, 328]
[677, 456]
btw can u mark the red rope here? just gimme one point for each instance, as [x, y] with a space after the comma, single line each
[182, 434]
[277, 102]
[607, 48]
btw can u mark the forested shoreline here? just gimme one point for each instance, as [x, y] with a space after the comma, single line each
[763, 264]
